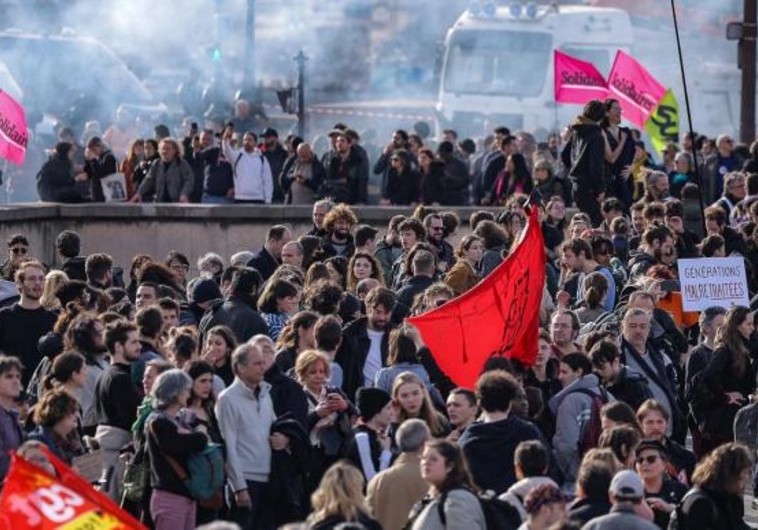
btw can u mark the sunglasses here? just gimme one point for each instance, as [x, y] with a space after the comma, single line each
[650, 459]
[19, 250]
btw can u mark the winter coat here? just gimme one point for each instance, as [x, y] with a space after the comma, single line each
[572, 411]
[703, 509]
[722, 378]
[386, 256]
[287, 396]
[173, 181]
[461, 277]
[412, 287]
[454, 183]
[244, 321]
[288, 471]
[402, 188]
[264, 263]
[392, 493]
[584, 156]
[55, 182]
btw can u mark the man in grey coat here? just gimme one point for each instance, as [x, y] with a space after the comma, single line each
[170, 179]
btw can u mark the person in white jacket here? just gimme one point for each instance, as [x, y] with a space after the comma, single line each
[253, 182]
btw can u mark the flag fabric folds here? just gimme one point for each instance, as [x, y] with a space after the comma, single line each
[577, 81]
[500, 316]
[663, 124]
[13, 132]
[637, 91]
[34, 499]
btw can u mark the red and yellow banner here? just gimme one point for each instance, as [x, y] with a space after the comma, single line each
[34, 499]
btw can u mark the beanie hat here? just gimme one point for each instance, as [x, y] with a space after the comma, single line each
[50, 345]
[205, 290]
[371, 401]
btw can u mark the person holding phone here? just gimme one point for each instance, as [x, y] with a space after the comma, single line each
[662, 493]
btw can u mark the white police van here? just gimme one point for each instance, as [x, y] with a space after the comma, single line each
[497, 67]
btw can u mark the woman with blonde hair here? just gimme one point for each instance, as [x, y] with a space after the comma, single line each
[463, 275]
[53, 280]
[412, 400]
[339, 499]
[329, 411]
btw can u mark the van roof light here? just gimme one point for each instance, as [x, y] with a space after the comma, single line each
[515, 10]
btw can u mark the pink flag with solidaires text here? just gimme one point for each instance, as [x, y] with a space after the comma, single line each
[637, 91]
[13, 132]
[577, 81]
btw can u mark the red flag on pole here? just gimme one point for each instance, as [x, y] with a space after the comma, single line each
[577, 81]
[13, 133]
[500, 316]
[34, 499]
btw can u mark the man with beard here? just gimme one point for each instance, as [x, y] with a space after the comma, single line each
[23, 323]
[320, 209]
[345, 178]
[116, 397]
[657, 242]
[276, 156]
[339, 223]
[365, 342]
[657, 186]
[716, 223]
[253, 180]
[18, 252]
[435, 231]
[100, 163]
[268, 258]
[382, 166]
[388, 249]
[238, 309]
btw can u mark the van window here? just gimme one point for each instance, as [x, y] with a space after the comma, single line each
[597, 56]
[493, 62]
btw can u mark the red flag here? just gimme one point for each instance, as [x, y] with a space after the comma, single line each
[500, 316]
[577, 81]
[34, 499]
[13, 134]
[638, 92]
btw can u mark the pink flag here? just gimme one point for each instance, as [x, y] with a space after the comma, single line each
[577, 81]
[637, 91]
[13, 134]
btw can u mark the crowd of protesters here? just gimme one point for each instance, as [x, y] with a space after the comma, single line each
[294, 360]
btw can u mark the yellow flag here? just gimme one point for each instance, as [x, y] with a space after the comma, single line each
[663, 124]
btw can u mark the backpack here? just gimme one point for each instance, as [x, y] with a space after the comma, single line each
[591, 429]
[498, 514]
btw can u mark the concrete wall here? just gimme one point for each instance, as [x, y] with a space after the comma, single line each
[125, 230]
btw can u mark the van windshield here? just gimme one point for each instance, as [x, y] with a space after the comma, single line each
[492, 62]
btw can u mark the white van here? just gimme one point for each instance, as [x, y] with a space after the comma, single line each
[498, 64]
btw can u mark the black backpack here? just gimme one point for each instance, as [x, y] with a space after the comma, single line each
[498, 514]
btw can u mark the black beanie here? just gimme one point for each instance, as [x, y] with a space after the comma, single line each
[205, 290]
[371, 401]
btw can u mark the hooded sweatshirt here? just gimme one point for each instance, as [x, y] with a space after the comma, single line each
[489, 449]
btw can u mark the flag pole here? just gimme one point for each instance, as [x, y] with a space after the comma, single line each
[698, 177]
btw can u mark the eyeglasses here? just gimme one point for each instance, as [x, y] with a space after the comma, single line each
[650, 459]
[19, 250]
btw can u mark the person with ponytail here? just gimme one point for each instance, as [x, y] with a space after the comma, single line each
[69, 372]
[594, 294]
[297, 336]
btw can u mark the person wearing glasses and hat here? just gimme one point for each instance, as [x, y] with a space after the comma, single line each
[18, 250]
[662, 493]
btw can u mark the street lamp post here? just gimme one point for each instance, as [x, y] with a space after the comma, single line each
[300, 59]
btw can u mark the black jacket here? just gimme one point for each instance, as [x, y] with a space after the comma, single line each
[489, 450]
[217, 173]
[432, 186]
[288, 471]
[402, 189]
[706, 510]
[55, 182]
[74, 268]
[276, 158]
[454, 183]
[264, 263]
[243, 320]
[583, 510]
[352, 354]
[287, 395]
[98, 169]
[584, 155]
[413, 286]
[318, 174]
[631, 388]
